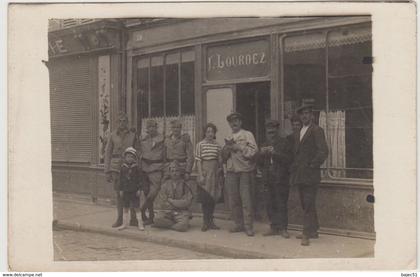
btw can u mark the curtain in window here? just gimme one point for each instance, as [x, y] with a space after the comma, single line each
[334, 125]
[317, 40]
[188, 125]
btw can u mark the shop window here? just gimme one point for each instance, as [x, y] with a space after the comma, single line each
[187, 83]
[143, 88]
[172, 84]
[330, 70]
[156, 87]
[165, 90]
[165, 84]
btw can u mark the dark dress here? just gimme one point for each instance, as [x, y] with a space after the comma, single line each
[130, 183]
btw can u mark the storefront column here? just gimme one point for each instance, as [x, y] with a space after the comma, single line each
[275, 92]
[115, 89]
[280, 77]
[199, 111]
[93, 71]
[129, 90]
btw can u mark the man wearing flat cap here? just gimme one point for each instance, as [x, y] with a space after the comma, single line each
[151, 148]
[175, 198]
[310, 152]
[274, 159]
[119, 140]
[238, 153]
[179, 148]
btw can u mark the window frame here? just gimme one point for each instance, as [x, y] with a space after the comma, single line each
[326, 31]
[135, 85]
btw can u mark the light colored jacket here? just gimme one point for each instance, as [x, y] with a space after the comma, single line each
[115, 147]
[179, 193]
[243, 160]
[152, 151]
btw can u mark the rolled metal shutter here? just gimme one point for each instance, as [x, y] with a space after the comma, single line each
[71, 120]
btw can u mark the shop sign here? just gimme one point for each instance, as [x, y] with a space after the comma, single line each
[238, 61]
[78, 42]
[57, 47]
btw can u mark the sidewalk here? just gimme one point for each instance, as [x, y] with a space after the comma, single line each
[82, 215]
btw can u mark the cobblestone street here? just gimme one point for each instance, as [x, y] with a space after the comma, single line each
[85, 246]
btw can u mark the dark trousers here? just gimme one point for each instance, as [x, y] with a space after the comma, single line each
[307, 194]
[277, 199]
[120, 202]
[240, 186]
[207, 206]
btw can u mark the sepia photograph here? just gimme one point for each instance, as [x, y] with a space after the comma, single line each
[211, 138]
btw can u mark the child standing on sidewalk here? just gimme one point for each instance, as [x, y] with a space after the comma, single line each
[131, 186]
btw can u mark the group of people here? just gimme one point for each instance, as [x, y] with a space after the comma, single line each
[154, 167]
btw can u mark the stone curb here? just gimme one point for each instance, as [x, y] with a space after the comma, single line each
[203, 247]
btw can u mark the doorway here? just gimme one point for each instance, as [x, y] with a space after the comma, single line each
[253, 102]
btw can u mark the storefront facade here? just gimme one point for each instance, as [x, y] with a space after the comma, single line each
[200, 70]
[86, 61]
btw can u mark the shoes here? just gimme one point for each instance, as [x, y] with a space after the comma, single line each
[117, 223]
[122, 227]
[249, 233]
[304, 241]
[284, 234]
[312, 236]
[213, 226]
[148, 221]
[236, 229]
[141, 227]
[271, 232]
[205, 227]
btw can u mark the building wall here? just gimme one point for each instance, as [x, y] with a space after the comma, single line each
[343, 208]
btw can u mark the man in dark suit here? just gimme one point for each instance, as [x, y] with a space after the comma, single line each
[274, 160]
[310, 152]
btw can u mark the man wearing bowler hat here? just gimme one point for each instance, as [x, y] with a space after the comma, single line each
[238, 153]
[274, 159]
[310, 152]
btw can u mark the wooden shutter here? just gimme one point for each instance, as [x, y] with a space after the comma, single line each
[71, 121]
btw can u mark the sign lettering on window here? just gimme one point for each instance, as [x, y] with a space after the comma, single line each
[238, 61]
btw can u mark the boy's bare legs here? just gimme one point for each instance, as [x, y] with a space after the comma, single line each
[140, 220]
[126, 220]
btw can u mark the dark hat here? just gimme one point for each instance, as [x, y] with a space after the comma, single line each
[233, 116]
[304, 107]
[122, 115]
[295, 118]
[271, 123]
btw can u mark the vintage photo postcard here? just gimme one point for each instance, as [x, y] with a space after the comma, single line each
[212, 136]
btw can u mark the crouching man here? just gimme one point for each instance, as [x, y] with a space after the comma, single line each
[175, 199]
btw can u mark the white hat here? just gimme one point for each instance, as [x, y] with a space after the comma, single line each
[130, 150]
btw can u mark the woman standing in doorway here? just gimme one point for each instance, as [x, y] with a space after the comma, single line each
[210, 170]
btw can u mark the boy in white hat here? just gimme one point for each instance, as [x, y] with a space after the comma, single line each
[131, 186]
